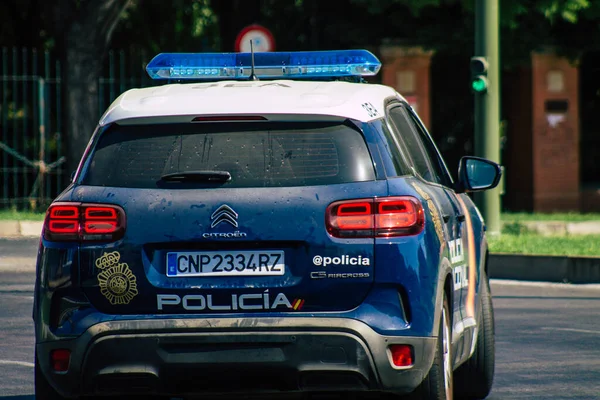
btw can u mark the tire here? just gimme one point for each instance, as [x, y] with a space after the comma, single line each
[439, 381]
[43, 389]
[474, 379]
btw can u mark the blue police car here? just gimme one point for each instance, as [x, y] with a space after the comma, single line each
[264, 223]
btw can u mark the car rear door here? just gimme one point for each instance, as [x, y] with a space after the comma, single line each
[437, 185]
[255, 243]
[459, 245]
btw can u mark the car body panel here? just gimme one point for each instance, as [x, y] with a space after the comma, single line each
[342, 99]
[344, 351]
[179, 220]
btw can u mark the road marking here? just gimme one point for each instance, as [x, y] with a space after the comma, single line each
[19, 363]
[507, 282]
[571, 330]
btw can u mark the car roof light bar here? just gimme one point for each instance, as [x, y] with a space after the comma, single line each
[267, 65]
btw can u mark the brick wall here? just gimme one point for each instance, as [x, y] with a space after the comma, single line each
[407, 69]
[555, 106]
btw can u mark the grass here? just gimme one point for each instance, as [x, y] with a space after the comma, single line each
[562, 217]
[528, 243]
[6, 215]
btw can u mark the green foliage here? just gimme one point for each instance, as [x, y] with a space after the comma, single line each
[519, 239]
[203, 17]
[515, 12]
[13, 215]
[566, 9]
[380, 7]
[169, 26]
[511, 10]
[211, 25]
[515, 229]
[584, 245]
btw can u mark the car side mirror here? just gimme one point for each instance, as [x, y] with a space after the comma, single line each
[476, 174]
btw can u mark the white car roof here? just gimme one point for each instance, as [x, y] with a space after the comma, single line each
[360, 101]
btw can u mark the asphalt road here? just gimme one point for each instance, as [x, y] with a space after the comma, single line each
[547, 335]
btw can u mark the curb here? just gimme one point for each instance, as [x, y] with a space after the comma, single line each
[562, 269]
[557, 227]
[12, 229]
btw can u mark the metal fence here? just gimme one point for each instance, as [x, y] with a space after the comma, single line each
[32, 136]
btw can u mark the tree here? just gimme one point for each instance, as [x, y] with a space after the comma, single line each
[85, 29]
[80, 31]
[176, 26]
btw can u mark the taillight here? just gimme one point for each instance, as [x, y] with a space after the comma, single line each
[380, 217]
[100, 220]
[64, 219]
[229, 118]
[85, 222]
[60, 360]
[354, 215]
[402, 355]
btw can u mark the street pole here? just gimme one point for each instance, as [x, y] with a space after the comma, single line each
[487, 105]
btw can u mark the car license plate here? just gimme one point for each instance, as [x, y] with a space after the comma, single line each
[225, 263]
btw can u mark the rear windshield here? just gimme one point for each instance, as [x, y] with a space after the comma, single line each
[258, 154]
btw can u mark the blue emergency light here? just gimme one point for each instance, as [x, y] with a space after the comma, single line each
[268, 65]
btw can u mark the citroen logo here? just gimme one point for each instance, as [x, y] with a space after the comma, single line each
[224, 214]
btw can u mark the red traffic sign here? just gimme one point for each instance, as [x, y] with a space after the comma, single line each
[261, 37]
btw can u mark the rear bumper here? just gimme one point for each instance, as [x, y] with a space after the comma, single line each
[178, 357]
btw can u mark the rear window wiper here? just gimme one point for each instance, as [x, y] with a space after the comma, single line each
[197, 176]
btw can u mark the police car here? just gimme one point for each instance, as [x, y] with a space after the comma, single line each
[265, 223]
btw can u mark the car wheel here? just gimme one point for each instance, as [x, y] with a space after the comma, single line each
[474, 379]
[438, 383]
[43, 390]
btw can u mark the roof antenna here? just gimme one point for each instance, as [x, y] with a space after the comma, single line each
[253, 76]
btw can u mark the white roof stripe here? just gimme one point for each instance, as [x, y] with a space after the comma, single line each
[363, 102]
